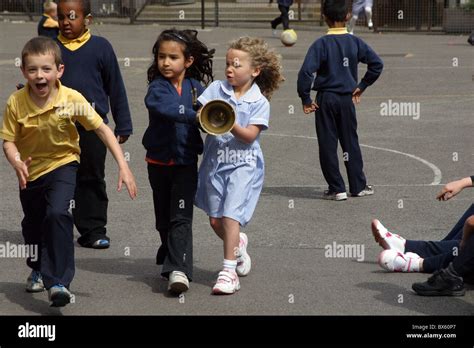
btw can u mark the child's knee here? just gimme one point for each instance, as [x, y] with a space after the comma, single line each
[216, 223]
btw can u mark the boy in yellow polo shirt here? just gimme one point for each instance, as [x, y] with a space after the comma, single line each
[42, 145]
[48, 24]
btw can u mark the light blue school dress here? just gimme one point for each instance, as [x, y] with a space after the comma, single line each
[231, 172]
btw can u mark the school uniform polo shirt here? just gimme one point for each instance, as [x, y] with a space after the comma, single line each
[47, 135]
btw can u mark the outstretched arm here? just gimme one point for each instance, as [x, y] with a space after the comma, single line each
[125, 175]
[452, 188]
[21, 167]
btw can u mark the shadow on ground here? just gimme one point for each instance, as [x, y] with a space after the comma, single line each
[390, 294]
[141, 270]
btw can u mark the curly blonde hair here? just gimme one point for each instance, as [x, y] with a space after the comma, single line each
[265, 59]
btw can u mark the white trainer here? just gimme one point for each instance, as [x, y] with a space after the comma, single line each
[178, 282]
[333, 196]
[395, 261]
[244, 263]
[386, 239]
[34, 283]
[227, 283]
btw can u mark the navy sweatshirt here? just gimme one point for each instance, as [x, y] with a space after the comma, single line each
[45, 31]
[334, 59]
[173, 132]
[93, 70]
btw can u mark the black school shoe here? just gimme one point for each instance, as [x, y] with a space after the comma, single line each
[441, 283]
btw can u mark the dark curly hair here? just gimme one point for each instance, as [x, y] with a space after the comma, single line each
[201, 69]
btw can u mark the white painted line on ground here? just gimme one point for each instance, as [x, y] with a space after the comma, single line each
[435, 169]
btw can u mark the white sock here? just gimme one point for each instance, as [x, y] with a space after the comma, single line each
[230, 264]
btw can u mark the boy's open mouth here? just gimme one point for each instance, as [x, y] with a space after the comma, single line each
[41, 86]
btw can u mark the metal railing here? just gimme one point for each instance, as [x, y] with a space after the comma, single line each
[388, 15]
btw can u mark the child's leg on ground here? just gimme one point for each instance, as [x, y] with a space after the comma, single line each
[432, 248]
[180, 237]
[231, 238]
[34, 208]
[456, 232]
[57, 259]
[346, 123]
[327, 139]
[91, 201]
[468, 230]
[440, 261]
[160, 182]
[228, 280]
[386, 239]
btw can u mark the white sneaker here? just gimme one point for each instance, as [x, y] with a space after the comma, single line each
[244, 263]
[178, 282]
[395, 261]
[386, 239]
[59, 295]
[227, 283]
[34, 283]
[371, 25]
[367, 191]
[333, 196]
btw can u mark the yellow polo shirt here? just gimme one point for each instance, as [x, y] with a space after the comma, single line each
[48, 135]
[75, 44]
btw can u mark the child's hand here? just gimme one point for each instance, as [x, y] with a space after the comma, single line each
[122, 138]
[21, 169]
[126, 176]
[307, 109]
[356, 96]
[450, 190]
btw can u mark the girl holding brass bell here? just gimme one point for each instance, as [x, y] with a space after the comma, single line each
[173, 141]
[232, 170]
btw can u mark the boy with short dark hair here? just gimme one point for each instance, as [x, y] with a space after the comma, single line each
[42, 145]
[92, 70]
[334, 59]
[48, 24]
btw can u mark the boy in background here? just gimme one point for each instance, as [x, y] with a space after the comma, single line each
[93, 70]
[48, 24]
[334, 59]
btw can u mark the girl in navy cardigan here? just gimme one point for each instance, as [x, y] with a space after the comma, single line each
[173, 142]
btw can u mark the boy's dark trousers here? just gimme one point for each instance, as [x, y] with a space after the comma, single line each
[174, 188]
[438, 254]
[336, 120]
[283, 18]
[91, 201]
[48, 224]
